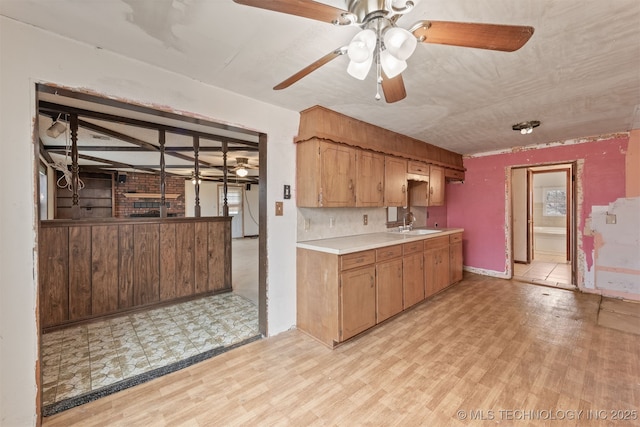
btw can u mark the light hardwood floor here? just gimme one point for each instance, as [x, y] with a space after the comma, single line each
[486, 345]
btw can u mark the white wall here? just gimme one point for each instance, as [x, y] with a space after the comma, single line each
[28, 56]
[209, 204]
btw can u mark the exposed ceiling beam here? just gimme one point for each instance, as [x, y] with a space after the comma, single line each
[108, 163]
[44, 152]
[88, 97]
[45, 106]
[138, 142]
[121, 148]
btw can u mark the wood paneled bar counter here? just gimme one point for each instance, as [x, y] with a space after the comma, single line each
[95, 268]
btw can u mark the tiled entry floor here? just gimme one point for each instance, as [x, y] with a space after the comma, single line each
[79, 360]
[548, 273]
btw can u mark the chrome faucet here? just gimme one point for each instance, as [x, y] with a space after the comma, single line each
[407, 217]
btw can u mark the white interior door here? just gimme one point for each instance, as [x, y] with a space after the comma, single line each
[235, 204]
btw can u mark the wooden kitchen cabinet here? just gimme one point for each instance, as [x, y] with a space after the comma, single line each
[370, 179]
[413, 274]
[340, 296]
[357, 301]
[419, 193]
[455, 258]
[395, 181]
[436, 186]
[426, 189]
[388, 282]
[436, 261]
[325, 174]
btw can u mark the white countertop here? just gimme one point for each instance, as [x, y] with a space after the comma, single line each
[363, 242]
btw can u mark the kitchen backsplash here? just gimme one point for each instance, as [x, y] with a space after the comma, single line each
[323, 223]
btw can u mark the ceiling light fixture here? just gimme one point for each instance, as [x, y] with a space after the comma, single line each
[388, 47]
[193, 179]
[242, 172]
[526, 127]
[57, 128]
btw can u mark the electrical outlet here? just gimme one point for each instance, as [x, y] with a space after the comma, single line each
[332, 222]
[365, 219]
[279, 209]
[307, 224]
[611, 218]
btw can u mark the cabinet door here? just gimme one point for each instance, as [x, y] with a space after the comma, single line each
[418, 193]
[337, 175]
[370, 173]
[455, 262]
[388, 289]
[442, 268]
[395, 181]
[436, 267]
[436, 186]
[413, 279]
[357, 301]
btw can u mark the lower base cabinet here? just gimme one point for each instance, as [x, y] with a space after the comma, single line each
[340, 296]
[436, 260]
[357, 301]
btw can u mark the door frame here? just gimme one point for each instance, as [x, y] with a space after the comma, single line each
[574, 186]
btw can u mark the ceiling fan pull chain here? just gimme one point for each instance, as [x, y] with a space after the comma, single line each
[378, 65]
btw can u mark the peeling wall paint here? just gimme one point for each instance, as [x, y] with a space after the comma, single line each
[601, 169]
[616, 251]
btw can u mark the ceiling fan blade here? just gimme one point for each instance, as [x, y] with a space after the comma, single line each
[506, 38]
[393, 89]
[305, 8]
[310, 68]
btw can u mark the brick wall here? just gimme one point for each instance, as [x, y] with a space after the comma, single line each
[148, 183]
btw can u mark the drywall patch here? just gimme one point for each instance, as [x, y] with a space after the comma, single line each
[616, 248]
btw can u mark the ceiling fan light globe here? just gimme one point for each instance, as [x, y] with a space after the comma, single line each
[359, 70]
[362, 46]
[391, 65]
[242, 172]
[400, 43]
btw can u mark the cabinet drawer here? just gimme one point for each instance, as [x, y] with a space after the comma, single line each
[388, 252]
[454, 174]
[412, 247]
[436, 242]
[453, 238]
[418, 168]
[357, 259]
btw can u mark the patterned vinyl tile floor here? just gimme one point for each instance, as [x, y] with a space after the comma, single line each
[79, 360]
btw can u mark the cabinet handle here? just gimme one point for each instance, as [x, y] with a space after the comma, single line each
[371, 281]
[404, 189]
[379, 186]
[350, 184]
[430, 190]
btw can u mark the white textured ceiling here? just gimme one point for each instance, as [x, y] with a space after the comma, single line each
[579, 74]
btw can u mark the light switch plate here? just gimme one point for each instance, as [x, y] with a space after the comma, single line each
[279, 209]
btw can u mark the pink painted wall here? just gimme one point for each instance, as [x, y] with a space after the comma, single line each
[437, 215]
[478, 205]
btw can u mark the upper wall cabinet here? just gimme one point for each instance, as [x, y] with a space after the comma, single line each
[325, 175]
[370, 179]
[427, 189]
[436, 186]
[395, 181]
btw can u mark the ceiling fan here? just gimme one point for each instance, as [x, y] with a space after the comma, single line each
[242, 166]
[387, 46]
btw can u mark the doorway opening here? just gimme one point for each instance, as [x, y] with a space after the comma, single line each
[151, 164]
[543, 224]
